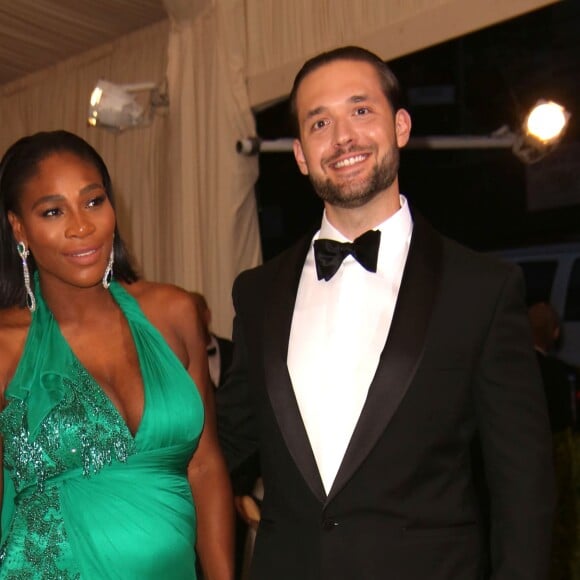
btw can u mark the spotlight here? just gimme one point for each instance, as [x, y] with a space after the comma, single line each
[547, 121]
[542, 130]
[116, 107]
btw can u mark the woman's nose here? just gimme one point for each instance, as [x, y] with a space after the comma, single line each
[79, 226]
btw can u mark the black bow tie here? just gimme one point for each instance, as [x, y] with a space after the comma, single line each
[329, 254]
[211, 351]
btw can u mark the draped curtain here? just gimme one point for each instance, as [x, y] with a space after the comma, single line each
[212, 210]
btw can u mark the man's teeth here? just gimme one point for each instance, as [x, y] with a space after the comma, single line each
[349, 161]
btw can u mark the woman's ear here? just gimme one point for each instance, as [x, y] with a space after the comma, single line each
[17, 228]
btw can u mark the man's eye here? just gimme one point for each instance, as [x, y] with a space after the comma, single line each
[319, 124]
[362, 111]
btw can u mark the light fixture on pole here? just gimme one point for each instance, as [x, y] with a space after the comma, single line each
[116, 107]
[541, 131]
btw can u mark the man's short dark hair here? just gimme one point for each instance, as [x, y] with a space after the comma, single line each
[389, 82]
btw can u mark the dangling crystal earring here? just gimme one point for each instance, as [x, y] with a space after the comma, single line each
[108, 275]
[23, 253]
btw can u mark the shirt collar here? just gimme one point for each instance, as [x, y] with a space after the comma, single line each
[395, 231]
[398, 224]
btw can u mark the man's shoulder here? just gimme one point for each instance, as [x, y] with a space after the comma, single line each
[292, 256]
[477, 258]
[471, 261]
[455, 254]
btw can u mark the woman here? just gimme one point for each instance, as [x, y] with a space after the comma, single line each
[103, 381]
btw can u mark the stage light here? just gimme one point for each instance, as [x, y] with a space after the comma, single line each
[541, 131]
[116, 107]
[547, 121]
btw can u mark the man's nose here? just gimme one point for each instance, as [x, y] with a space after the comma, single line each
[343, 132]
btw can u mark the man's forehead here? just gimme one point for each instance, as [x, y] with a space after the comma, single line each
[340, 69]
[338, 81]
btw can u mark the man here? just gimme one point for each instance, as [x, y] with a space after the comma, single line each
[558, 380]
[219, 350]
[556, 374]
[364, 384]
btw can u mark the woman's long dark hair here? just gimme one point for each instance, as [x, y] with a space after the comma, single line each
[19, 164]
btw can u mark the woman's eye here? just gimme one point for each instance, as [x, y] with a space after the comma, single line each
[52, 212]
[96, 201]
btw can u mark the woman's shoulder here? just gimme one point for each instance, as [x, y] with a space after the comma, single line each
[14, 324]
[163, 302]
[172, 310]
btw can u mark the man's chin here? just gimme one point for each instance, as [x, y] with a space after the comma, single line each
[347, 199]
[351, 202]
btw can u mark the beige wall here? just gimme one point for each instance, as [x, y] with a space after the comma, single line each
[284, 33]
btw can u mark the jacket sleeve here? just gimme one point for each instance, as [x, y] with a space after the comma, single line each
[237, 428]
[516, 441]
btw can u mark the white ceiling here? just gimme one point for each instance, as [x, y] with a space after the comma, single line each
[35, 34]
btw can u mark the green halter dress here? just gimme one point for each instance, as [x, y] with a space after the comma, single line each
[83, 496]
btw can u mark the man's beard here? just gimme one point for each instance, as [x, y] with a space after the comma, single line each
[353, 194]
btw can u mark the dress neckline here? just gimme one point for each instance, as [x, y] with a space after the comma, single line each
[48, 354]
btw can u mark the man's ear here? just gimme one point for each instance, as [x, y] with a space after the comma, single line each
[299, 156]
[402, 127]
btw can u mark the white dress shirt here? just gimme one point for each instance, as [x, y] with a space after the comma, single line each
[339, 329]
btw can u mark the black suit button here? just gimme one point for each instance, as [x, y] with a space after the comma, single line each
[329, 524]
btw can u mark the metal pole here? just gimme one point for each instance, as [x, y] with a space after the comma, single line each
[255, 145]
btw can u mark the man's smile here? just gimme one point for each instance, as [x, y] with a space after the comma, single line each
[349, 161]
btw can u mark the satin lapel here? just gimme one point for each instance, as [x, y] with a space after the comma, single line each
[278, 321]
[403, 349]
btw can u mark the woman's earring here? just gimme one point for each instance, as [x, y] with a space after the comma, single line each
[108, 275]
[23, 252]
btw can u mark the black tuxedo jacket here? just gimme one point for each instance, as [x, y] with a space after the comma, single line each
[558, 390]
[458, 362]
[226, 353]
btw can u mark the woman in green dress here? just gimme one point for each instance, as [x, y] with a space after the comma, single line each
[111, 467]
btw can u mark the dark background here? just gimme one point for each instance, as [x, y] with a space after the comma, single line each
[479, 197]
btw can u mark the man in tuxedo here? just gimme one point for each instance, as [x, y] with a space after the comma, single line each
[367, 359]
[555, 373]
[557, 378]
[219, 349]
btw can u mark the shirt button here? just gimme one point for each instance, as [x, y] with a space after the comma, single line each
[329, 524]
